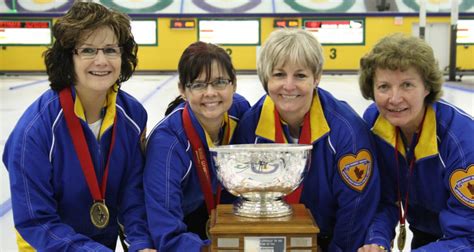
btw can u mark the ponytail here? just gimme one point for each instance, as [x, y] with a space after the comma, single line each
[175, 103]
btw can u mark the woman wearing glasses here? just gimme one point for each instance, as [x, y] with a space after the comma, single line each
[341, 188]
[74, 158]
[181, 188]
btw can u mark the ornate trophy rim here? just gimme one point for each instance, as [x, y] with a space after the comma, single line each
[261, 175]
[262, 147]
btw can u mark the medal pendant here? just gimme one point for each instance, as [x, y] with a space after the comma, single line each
[402, 235]
[208, 226]
[99, 214]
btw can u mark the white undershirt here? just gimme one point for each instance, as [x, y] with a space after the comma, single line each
[95, 127]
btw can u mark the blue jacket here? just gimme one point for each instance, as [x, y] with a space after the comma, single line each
[172, 188]
[341, 203]
[50, 196]
[441, 196]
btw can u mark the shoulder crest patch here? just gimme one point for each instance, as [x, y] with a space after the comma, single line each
[356, 169]
[461, 183]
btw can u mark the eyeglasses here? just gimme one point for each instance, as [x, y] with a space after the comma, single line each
[110, 52]
[218, 84]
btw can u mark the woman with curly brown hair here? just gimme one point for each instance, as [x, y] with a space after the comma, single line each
[74, 157]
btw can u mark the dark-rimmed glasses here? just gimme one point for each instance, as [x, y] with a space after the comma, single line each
[218, 84]
[110, 52]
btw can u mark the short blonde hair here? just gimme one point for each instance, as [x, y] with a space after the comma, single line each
[400, 52]
[293, 46]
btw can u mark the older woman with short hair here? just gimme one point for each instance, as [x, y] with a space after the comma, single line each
[341, 188]
[425, 149]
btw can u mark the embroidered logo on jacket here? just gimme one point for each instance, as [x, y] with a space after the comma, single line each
[355, 170]
[461, 183]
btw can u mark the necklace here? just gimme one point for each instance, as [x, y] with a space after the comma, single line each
[403, 208]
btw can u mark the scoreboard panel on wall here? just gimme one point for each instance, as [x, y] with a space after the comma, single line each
[224, 31]
[25, 32]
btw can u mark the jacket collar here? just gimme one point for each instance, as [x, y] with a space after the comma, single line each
[427, 144]
[266, 123]
[109, 108]
[227, 122]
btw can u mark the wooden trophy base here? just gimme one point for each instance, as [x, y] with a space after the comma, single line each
[230, 232]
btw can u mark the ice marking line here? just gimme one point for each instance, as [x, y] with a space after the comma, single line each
[461, 88]
[5, 207]
[27, 84]
[181, 7]
[148, 96]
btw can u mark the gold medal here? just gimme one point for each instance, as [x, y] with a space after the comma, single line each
[402, 236]
[99, 214]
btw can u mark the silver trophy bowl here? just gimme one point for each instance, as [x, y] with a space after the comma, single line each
[261, 175]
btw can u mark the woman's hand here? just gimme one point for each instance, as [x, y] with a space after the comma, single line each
[147, 250]
[371, 248]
